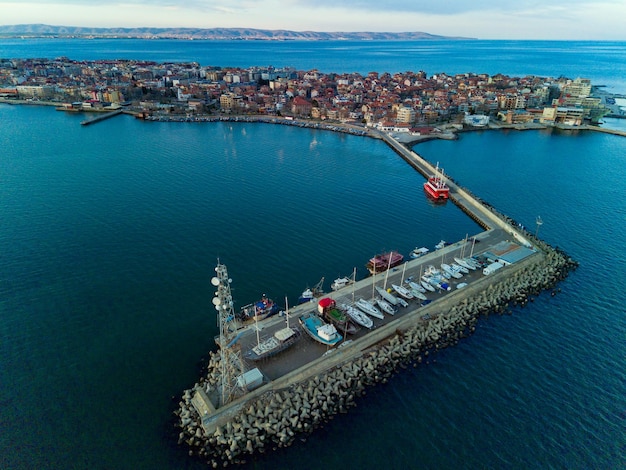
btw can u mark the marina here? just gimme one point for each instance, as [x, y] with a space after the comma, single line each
[446, 308]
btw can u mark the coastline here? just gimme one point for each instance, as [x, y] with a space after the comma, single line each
[448, 131]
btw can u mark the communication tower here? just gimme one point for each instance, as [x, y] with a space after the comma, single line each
[231, 363]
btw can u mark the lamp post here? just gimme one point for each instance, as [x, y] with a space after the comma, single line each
[539, 223]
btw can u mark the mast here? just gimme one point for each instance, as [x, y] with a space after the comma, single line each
[353, 283]
[374, 282]
[403, 271]
[287, 310]
[231, 361]
[388, 268]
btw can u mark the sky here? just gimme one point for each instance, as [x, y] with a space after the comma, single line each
[493, 19]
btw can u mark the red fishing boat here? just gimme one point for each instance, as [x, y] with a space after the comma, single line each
[436, 186]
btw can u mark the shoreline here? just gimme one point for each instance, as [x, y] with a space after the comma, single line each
[449, 131]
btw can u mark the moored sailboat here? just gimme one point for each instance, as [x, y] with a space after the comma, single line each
[279, 341]
[368, 308]
[385, 306]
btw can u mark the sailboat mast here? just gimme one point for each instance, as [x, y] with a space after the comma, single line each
[287, 311]
[256, 325]
[353, 283]
[374, 282]
[403, 271]
[388, 268]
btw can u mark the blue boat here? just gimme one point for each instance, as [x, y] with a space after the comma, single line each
[261, 309]
[321, 332]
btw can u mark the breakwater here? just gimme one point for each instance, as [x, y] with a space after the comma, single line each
[289, 408]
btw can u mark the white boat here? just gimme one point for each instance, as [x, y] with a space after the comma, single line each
[306, 296]
[268, 347]
[461, 285]
[388, 296]
[315, 327]
[417, 294]
[426, 285]
[368, 308]
[403, 302]
[340, 282]
[357, 315]
[451, 271]
[459, 268]
[416, 286]
[386, 306]
[403, 291]
[463, 262]
[417, 252]
[441, 244]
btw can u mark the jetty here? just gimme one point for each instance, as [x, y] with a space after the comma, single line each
[101, 117]
[225, 417]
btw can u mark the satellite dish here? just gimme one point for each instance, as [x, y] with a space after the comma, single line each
[215, 281]
[216, 301]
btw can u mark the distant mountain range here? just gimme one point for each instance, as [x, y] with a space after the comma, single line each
[43, 30]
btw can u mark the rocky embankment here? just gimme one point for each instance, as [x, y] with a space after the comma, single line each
[276, 418]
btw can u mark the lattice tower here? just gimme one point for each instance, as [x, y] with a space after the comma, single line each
[231, 362]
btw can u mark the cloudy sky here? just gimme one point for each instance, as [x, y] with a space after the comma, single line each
[493, 19]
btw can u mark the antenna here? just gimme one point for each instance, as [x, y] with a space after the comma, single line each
[230, 351]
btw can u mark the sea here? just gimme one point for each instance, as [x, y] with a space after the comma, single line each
[109, 235]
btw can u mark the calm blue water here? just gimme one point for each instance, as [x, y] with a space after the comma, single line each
[603, 62]
[109, 237]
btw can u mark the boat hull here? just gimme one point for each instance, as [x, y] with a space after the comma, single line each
[272, 348]
[311, 325]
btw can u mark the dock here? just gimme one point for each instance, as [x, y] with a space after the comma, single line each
[308, 382]
[101, 117]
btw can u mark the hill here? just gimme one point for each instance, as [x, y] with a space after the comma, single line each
[43, 30]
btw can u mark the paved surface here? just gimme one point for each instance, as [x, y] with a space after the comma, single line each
[307, 349]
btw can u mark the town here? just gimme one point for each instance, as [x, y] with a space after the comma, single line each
[408, 102]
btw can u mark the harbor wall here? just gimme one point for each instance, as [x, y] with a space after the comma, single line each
[277, 414]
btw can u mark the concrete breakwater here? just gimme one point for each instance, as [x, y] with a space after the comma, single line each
[291, 409]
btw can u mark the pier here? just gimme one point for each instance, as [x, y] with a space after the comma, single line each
[307, 383]
[102, 117]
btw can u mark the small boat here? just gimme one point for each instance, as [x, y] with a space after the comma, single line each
[321, 332]
[260, 310]
[441, 244]
[279, 341]
[463, 262]
[403, 291]
[415, 286]
[383, 262]
[357, 316]
[368, 308]
[403, 302]
[385, 306]
[417, 252]
[306, 296]
[340, 282]
[329, 311]
[438, 282]
[451, 271]
[276, 343]
[461, 285]
[426, 285]
[459, 268]
[309, 295]
[436, 186]
[388, 296]
[417, 294]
